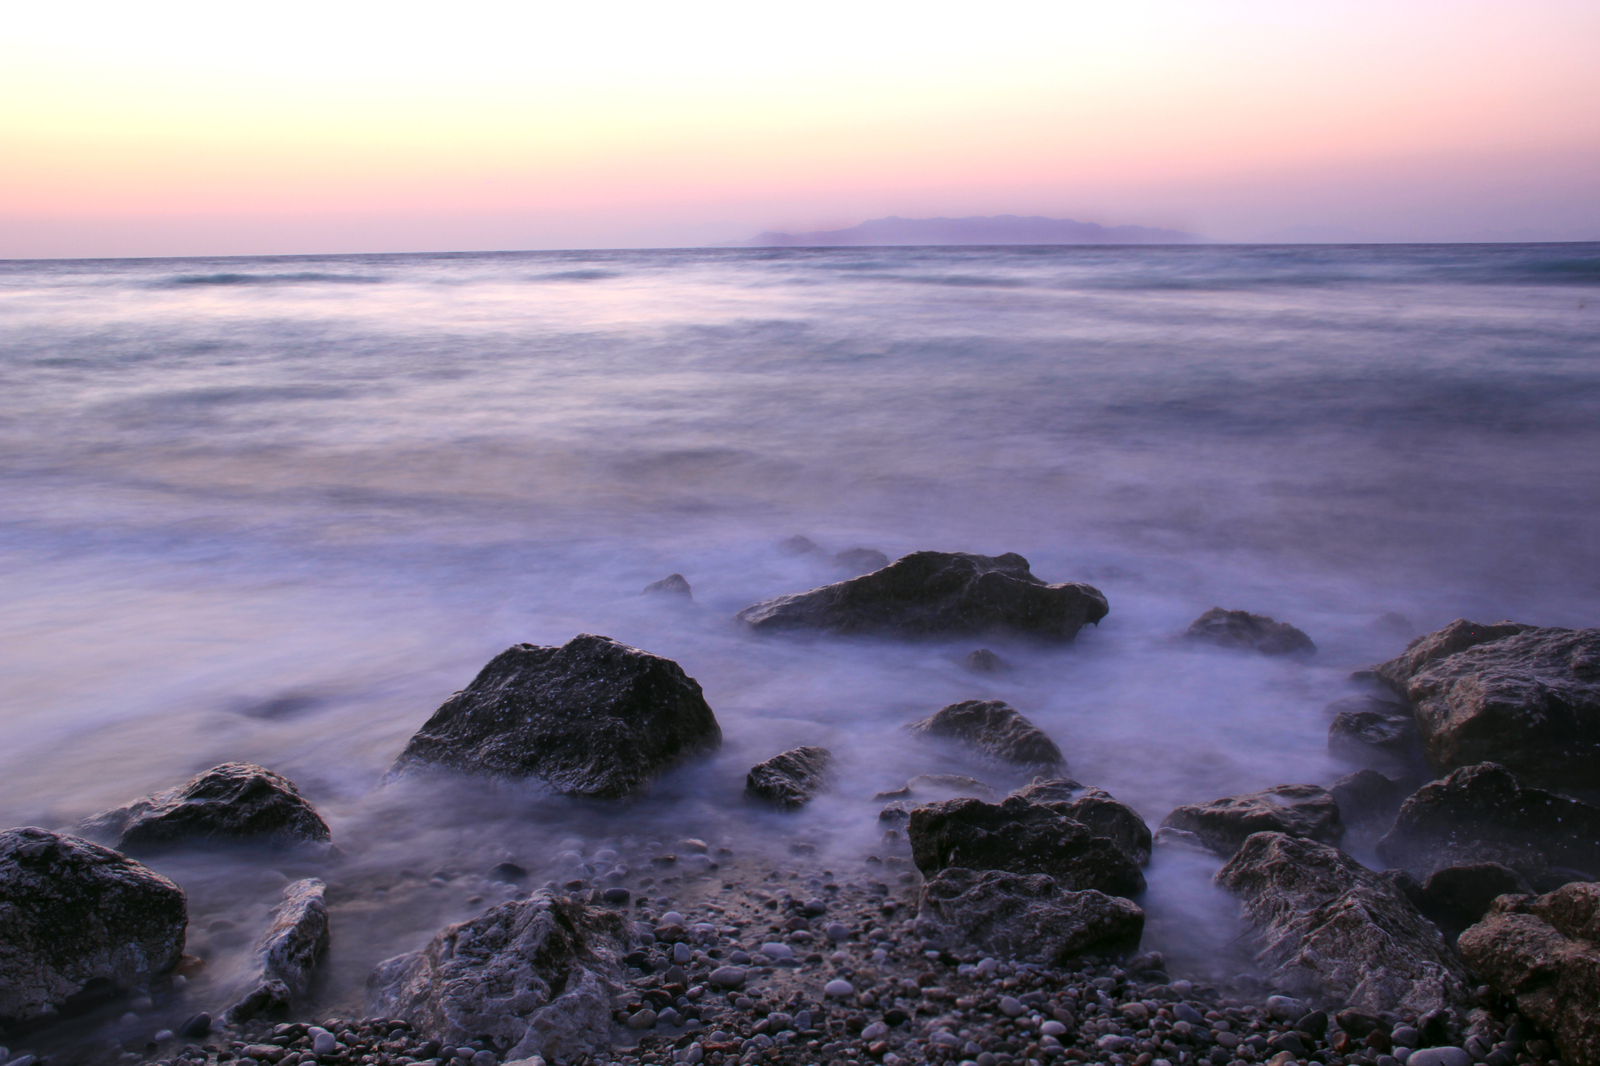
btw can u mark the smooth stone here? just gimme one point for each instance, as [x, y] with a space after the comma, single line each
[1405, 1036]
[777, 951]
[837, 931]
[682, 953]
[1440, 1056]
[323, 1043]
[1185, 1013]
[1053, 1028]
[1010, 1006]
[838, 988]
[728, 977]
[644, 1019]
[672, 918]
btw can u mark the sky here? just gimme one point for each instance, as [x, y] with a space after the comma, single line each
[181, 128]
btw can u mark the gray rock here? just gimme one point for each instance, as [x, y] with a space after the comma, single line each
[860, 560]
[1024, 916]
[799, 544]
[592, 718]
[535, 976]
[789, 780]
[729, 976]
[1104, 814]
[1458, 896]
[995, 729]
[1330, 930]
[73, 912]
[984, 661]
[1374, 732]
[671, 585]
[237, 802]
[1426, 650]
[1440, 1056]
[938, 594]
[1248, 632]
[1223, 825]
[1366, 797]
[287, 955]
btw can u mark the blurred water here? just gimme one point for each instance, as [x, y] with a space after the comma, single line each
[278, 509]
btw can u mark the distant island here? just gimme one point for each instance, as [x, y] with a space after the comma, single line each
[994, 229]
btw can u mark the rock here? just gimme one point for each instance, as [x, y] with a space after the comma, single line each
[838, 989]
[1250, 632]
[671, 585]
[1051, 790]
[789, 780]
[797, 545]
[928, 594]
[237, 802]
[535, 976]
[1366, 797]
[928, 787]
[592, 718]
[1440, 1056]
[1104, 814]
[1024, 916]
[995, 729]
[1483, 814]
[1373, 732]
[1223, 825]
[1331, 930]
[1458, 896]
[286, 957]
[1526, 698]
[728, 977]
[75, 915]
[1020, 837]
[984, 661]
[1543, 952]
[860, 560]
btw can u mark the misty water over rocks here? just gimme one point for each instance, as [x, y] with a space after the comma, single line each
[277, 511]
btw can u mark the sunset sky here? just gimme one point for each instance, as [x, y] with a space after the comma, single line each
[188, 128]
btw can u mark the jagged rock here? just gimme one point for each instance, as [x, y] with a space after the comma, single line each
[75, 916]
[1251, 632]
[938, 594]
[1024, 916]
[1526, 698]
[994, 728]
[1221, 826]
[235, 803]
[984, 661]
[671, 585]
[791, 779]
[287, 955]
[1459, 896]
[1104, 814]
[1332, 931]
[929, 787]
[1366, 798]
[1020, 837]
[534, 976]
[592, 718]
[1483, 814]
[860, 560]
[1373, 732]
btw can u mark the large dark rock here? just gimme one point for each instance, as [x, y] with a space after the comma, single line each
[1459, 896]
[996, 729]
[928, 594]
[671, 585]
[75, 915]
[1544, 953]
[789, 780]
[1523, 697]
[1103, 814]
[1373, 732]
[235, 803]
[287, 955]
[1484, 814]
[1249, 632]
[1367, 799]
[534, 976]
[1020, 837]
[592, 718]
[1221, 826]
[860, 560]
[1024, 916]
[1332, 931]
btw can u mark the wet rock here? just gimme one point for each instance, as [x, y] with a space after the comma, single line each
[1458, 896]
[287, 955]
[1523, 697]
[1366, 797]
[1249, 632]
[236, 802]
[76, 916]
[1222, 825]
[671, 585]
[797, 545]
[925, 788]
[1544, 953]
[860, 560]
[789, 780]
[995, 729]
[984, 661]
[592, 717]
[1024, 916]
[938, 593]
[1104, 814]
[1483, 814]
[1020, 837]
[534, 976]
[1373, 732]
[1331, 930]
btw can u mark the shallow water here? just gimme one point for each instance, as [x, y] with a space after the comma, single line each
[279, 509]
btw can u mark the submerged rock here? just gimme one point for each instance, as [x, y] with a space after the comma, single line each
[1366, 799]
[592, 717]
[994, 728]
[791, 779]
[1250, 632]
[1024, 916]
[1103, 814]
[1373, 732]
[76, 916]
[671, 585]
[984, 661]
[936, 594]
[1221, 826]
[860, 560]
[926, 788]
[287, 955]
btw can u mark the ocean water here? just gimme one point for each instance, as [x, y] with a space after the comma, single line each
[278, 509]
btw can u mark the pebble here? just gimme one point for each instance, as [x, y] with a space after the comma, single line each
[1053, 1028]
[322, 1041]
[682, 953]
[837, 931]
[875, 1031]
[1010, 1006]
[1405, 1036]
[728, 977]
[644, 1019]
[838, 988]
[1440, 1056]
[672, 918]
[777, 951]
[1185, 1013]
[1284, 1008]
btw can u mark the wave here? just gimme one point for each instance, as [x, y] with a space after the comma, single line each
[301, 278]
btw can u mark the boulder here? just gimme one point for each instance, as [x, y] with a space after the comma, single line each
[1543, 952]
[1526, 698]
[1249, 632]
[1104, 814]
[1366, 798]
[75, 916]
[1024, 916]
[1332, 931]
[1375, 732]
[671, 585]
[1484, 814]
[235, 803]
[1459, 896]
[994, 728]
[860, 560]
[1020, 837]
[931, 594]
[1221, 826]
[591, 718]
[533, 976]
[789, 780]
[287, 955]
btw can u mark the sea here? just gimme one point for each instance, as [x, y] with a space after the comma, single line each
[278, 509]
